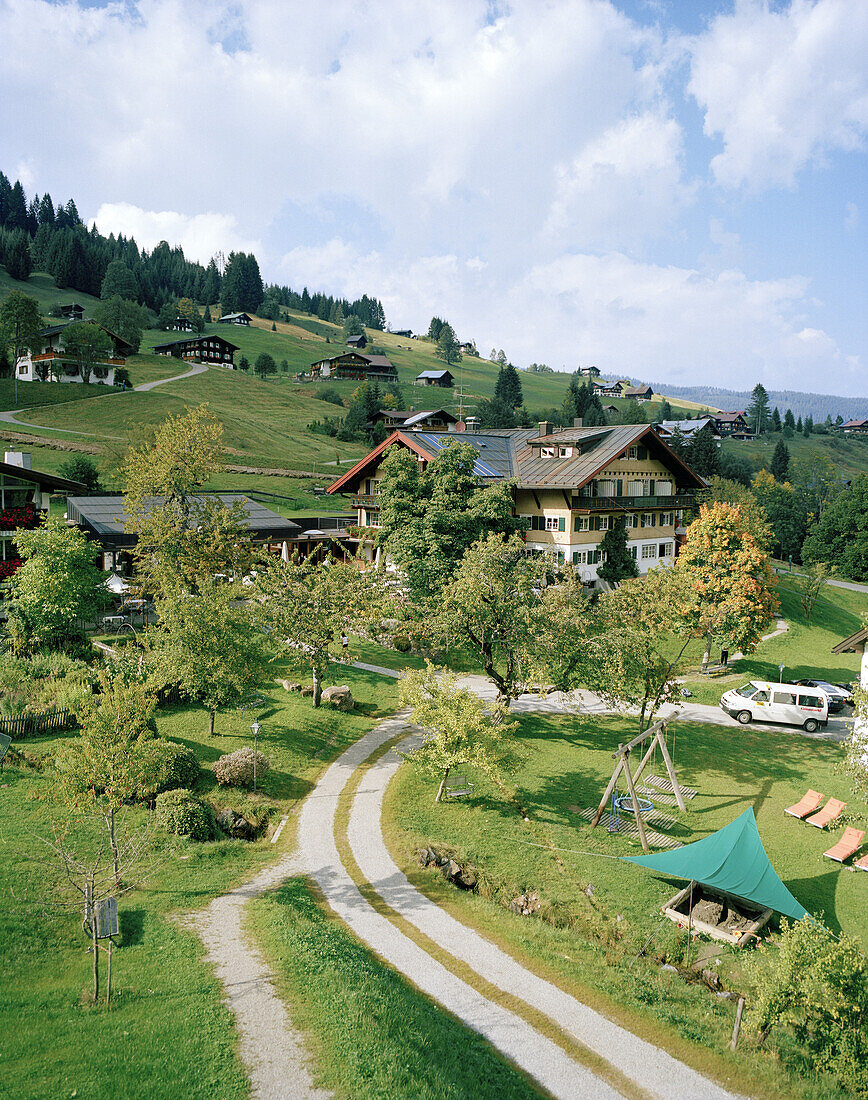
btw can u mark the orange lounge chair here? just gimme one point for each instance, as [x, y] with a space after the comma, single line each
[861, 864]
[848, 845]
[807, 804]
[830, 812]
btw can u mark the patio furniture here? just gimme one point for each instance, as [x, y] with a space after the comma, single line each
[809, 803]
[830, 812]
[848, 845]
[861, 864]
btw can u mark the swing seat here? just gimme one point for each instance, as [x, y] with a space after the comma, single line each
[625, 802]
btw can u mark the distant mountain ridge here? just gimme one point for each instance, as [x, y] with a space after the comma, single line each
[817, 405]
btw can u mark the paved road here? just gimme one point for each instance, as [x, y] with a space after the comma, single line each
[852, 586]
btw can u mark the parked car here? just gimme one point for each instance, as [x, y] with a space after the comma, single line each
[838, 696]
[787, 704]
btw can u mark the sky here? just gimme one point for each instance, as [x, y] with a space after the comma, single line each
[673, 190]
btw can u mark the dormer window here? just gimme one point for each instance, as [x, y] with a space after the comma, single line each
[565, 452]
[547, 452]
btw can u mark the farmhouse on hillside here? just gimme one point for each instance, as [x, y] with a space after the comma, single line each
[200, 349]
[590, 372]
[71, 311]
[354, 365]
[357, 341]
[24, 500]
[572, 485]
[733, 425]
[234, 319]
[686, 428]
[858, 427]
[442, 378]
[50, 362]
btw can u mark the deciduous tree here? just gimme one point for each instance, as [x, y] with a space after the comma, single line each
[727, 578]
[87, 345]
[21, 324]
[464, 730]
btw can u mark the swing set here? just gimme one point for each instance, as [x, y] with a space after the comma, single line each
[656, 735]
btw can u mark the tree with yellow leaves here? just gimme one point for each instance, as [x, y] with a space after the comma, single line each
[728, 582]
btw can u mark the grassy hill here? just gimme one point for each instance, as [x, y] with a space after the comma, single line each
[266, 422]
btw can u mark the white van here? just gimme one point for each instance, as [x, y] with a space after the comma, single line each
[787, 704]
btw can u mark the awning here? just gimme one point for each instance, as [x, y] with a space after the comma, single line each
[733, 860]
[115, 584]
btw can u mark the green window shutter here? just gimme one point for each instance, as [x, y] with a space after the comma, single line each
[561, 523]
[576, 524]
[653, 519]
[620, 487]
[560, 557]
[651, 484]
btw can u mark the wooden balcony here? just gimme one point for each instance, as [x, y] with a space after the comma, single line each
[365, 500]
[631, 504]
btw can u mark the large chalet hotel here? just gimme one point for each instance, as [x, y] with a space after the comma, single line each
[572, 484]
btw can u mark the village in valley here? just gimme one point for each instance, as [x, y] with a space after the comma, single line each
[383, 716]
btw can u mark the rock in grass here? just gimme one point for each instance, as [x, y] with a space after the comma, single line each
[340, 698]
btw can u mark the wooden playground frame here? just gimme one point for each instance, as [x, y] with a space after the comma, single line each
[656, 734]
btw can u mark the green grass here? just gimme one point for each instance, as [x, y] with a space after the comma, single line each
[167, 1034]
[806, 648]
[848, 453]
[372, 1033]
[589, 950]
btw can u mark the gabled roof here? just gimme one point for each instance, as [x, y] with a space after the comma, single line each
[727, 417]
[55, 330]
[379, 361]
[45, 481]
[686, 427]
[194, 340]
[415, 416]
[854, 424]
[232, 317]
[854, 643]
[434, 374]
[515, 453]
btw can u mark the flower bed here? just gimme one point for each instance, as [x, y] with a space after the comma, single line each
[7, 568]
[12, 519]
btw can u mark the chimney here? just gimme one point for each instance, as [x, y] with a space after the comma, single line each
[19, 458]
[578, 422]
[545, 427]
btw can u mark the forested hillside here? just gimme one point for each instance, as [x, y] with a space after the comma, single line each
[816, 405]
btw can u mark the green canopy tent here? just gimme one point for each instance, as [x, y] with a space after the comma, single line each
[733, 861]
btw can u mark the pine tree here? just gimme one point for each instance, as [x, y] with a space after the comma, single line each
[508, 387]
[665, 411]
[789, 419]
[781, 462]
[620, 563]
[809, 425]
[758, 410]
[776, 420]
[701, 453]
[799, 427]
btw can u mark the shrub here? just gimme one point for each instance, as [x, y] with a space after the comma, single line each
[167, 766]
[235, 769]
[330, 395]
[402, 643]
[182, 813]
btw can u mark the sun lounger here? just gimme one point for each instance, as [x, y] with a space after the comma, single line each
[807, 804]
[847, 846]
[861, 864]
[830, 812]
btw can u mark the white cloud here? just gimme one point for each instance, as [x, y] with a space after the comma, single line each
[782, 87]
[200, 235]
[623, 187]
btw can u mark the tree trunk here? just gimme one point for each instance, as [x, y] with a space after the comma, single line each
[212, 715]
[95, 943]
[442, 785]
[706, 657]
[113, 843]
[317, 688]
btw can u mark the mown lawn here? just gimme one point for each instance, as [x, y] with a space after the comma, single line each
[805, 649]
[167, 1033]
[371, 1033]
[592, 942]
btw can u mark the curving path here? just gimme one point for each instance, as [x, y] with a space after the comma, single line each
[10, 416]
[648, 1069]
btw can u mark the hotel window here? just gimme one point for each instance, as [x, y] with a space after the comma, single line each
[649, 551]
[565, 452]
[582, 523]
[604, 523]
[554, 523]
[649, 519]
[634, 551]
[639, 488]
[631, 520]
[632, 452]
[666, 519]
[666, 550]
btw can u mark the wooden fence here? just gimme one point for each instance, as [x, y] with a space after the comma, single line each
[32, 725]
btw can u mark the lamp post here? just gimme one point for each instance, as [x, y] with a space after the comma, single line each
[256, 728]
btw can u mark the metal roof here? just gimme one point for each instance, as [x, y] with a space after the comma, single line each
[195, 340]
[434, 373]
[105, 518]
